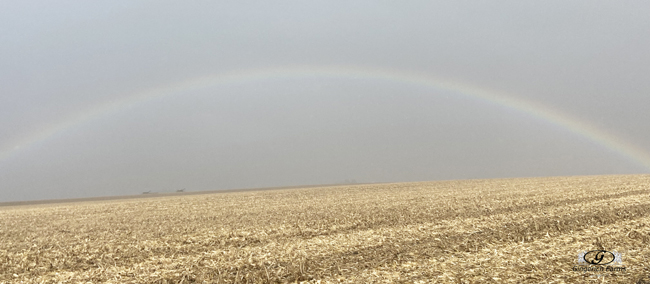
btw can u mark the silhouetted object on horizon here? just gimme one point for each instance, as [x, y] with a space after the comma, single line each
[180, 190]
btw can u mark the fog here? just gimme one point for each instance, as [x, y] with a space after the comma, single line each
[119, 97]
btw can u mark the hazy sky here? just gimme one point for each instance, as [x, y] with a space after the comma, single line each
[95, 99]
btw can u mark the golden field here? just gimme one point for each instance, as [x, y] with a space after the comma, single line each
[528, 230]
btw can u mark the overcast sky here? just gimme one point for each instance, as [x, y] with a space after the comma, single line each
[63, 62]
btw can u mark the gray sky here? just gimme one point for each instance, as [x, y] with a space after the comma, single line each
[61, 62]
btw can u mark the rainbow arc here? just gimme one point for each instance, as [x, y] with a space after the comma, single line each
[531, 109]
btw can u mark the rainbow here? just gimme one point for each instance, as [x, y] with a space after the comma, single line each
[531, 109]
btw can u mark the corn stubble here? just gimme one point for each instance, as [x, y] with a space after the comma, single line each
[476, 231]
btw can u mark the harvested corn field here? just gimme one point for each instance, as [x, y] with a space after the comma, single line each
[529, 230]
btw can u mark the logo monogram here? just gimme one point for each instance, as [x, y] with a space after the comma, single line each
[600, 257]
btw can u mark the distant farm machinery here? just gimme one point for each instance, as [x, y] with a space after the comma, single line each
[151, 192]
